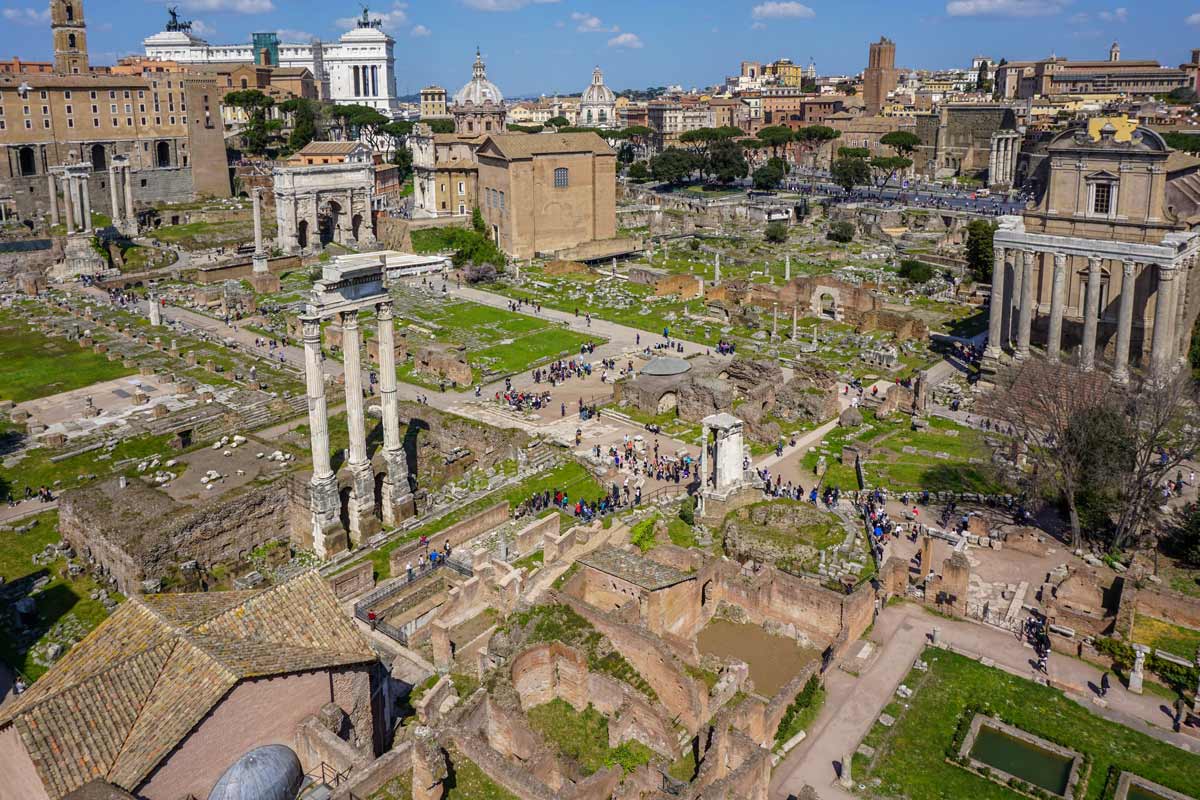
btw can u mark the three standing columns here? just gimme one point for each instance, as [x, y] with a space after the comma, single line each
[322, 489]
[396, 496]
[362, 488]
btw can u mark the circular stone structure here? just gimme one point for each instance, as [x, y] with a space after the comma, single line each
[665, 366]
[270, 772]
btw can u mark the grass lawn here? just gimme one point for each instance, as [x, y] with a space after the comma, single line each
[467, 781]
[38, 366]
[583, 736]
[911, 762]
[36, 469]
[668, 422]
[204, 235]
[1162, 635]
[65, 611]
[894, 468]
[398, 788]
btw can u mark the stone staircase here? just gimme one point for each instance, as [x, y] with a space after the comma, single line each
[540, 456]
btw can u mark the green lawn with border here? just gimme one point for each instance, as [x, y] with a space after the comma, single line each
[36, 365]
[910, 758]
[1162, 635]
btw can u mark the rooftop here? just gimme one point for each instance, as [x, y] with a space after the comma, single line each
[527, 145]
[640, 571]
[666, 365]
[119, 701]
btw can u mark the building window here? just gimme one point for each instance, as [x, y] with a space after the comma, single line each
[462, 188]
[45, 123]
[112, 108]
[1102, 199]
[93, 94]
[45, 111]
[560, 178]
[28, 124]
[68, 109]
[502, 201]
[70, 123]
[112, 95]
[67, 95]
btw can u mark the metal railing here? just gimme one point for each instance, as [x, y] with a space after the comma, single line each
[362, 609]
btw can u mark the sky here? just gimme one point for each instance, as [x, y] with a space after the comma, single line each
[547, 46]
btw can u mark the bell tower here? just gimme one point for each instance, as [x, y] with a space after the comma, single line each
[70, 37]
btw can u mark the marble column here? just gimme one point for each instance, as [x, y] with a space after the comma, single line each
[322, 489]
[1161, 352]
[1013, 301]
[774, 321]
[1057, 301]
[260, 255]
[130, 216]
[795, 319]
[787, 268]
[397, 497]
[362, 488]
[86, 193]
[113, 198]
[717, 271]
[1124, 323]
[1182, 331]
[69, 202]
[52, 186]
[993, 176]
[996, 307]
[1025, 320]
[1091, 316]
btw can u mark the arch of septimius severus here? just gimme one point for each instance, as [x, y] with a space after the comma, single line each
[1100, 269]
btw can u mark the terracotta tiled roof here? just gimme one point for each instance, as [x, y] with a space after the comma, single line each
[120, 700]
[329, 148]
[526, 145]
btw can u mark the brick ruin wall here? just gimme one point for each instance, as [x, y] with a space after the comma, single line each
[456, 534]
[1173, 607]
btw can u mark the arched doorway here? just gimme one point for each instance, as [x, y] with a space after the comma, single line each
[162, 152]
[302, 234]
[828, 304]
[328, 221]
[99, 158]
[667, 402]
[28, 161]
[356, 225]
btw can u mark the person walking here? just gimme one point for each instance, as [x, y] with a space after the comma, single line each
[1104, 683]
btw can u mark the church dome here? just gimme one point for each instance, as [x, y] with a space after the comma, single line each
[271, 772]
[479, 89]
[597, 93]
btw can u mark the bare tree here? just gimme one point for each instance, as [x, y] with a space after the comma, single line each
[1046, 406]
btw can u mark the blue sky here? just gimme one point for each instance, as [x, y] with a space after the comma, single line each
[546, 46]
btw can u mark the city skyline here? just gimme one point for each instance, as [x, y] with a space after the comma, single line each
[522, 39]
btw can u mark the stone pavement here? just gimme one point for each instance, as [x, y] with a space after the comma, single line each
[25, 508]
[902, 631]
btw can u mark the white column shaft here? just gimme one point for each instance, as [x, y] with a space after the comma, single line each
[996, 307]
[1124, 323]
[1025, 319]
[318, 422]
[1057, 301]
[1164, 322]
[1091, 316]
[354, 396]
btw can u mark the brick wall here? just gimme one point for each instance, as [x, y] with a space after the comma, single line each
[353, 581]
[456, 534]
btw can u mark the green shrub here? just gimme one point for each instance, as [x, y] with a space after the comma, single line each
[643, 535]
[777, 232]
[687, 510]
[915, 271]
[841, 231]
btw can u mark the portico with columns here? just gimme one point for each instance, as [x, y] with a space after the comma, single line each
[1120, 301]
[80, 258]
[1002, 159]
[348, 285]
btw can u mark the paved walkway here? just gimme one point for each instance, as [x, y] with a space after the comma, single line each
[901, 632]
[25, 508]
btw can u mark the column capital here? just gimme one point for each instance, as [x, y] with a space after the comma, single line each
[1127, 268]
[1060, 260]
[311, 328]
[1028, 256]
[1093, 263]
[349, 320]
[1166, 272]
[385, 310]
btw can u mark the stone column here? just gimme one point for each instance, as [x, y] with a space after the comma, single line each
[397, 498]
[260, 255]
[795, 313]
[1137, 674]
[1091, 316]
[69, 202]
[1182, 332]
[1164, 322]
[1124, 323]
[130, 215]
[1012, 302]
[113, 198]
[996, 307]
[362, 489]
[993, 175]
[1025, 320]
[52, 186]
[1057, 301]
[86, 193]
[717, 271]
[787, 268]
[322, 489]
[774, 321]
[155, 311]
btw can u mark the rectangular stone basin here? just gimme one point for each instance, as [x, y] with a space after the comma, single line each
[1009, 752]
[1135, 787]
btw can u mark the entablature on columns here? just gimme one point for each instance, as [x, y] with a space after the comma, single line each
[1175, 247]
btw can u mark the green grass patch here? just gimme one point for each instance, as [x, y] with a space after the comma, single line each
[583, 737]
[36, 365]
[1162, 635]
[467, 781]
[802, 711]
[642, 534]
[911, 758]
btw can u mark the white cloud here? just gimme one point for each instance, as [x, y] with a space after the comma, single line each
[27, 16]
[1005, 8]
[420, 30]
[503, 5]
[758, 26]
[1116, 15]
[293, 35]
[781, 9]
[629, 40]
[202, 28]
[234, 6]
[1194, 19]
[590, 23]
[392, 20]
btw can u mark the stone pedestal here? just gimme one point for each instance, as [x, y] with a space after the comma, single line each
[82, 258]
[328, 536]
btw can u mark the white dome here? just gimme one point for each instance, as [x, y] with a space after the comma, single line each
[597, 93]
[479, 89]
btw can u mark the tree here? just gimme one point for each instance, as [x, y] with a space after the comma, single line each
[1183, 95]
[557, 122]
[304, 121]
[526, 128]
[1184, 539]
[904, 143]
[769, 176]
[981, 80]
[841, 231]
[849, 172]
[726, 162]
[980, 255]
[915, 271]
[812, 138]
[638, 173]
[403, 160]
[672, 165]
[1187, 142]
[775, 136]
[777, 232]
[255, 104]
[361, 122]
[477, 223]
[440, 125]
[886, 167]
[639, 137]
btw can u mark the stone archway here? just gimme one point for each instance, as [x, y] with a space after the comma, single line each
[329, 222]
[99, 158]
[302, 233]
[27, 158]
[706, 594]
[826, 304]
[669, 401]
[162, 154]
[355, 225]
